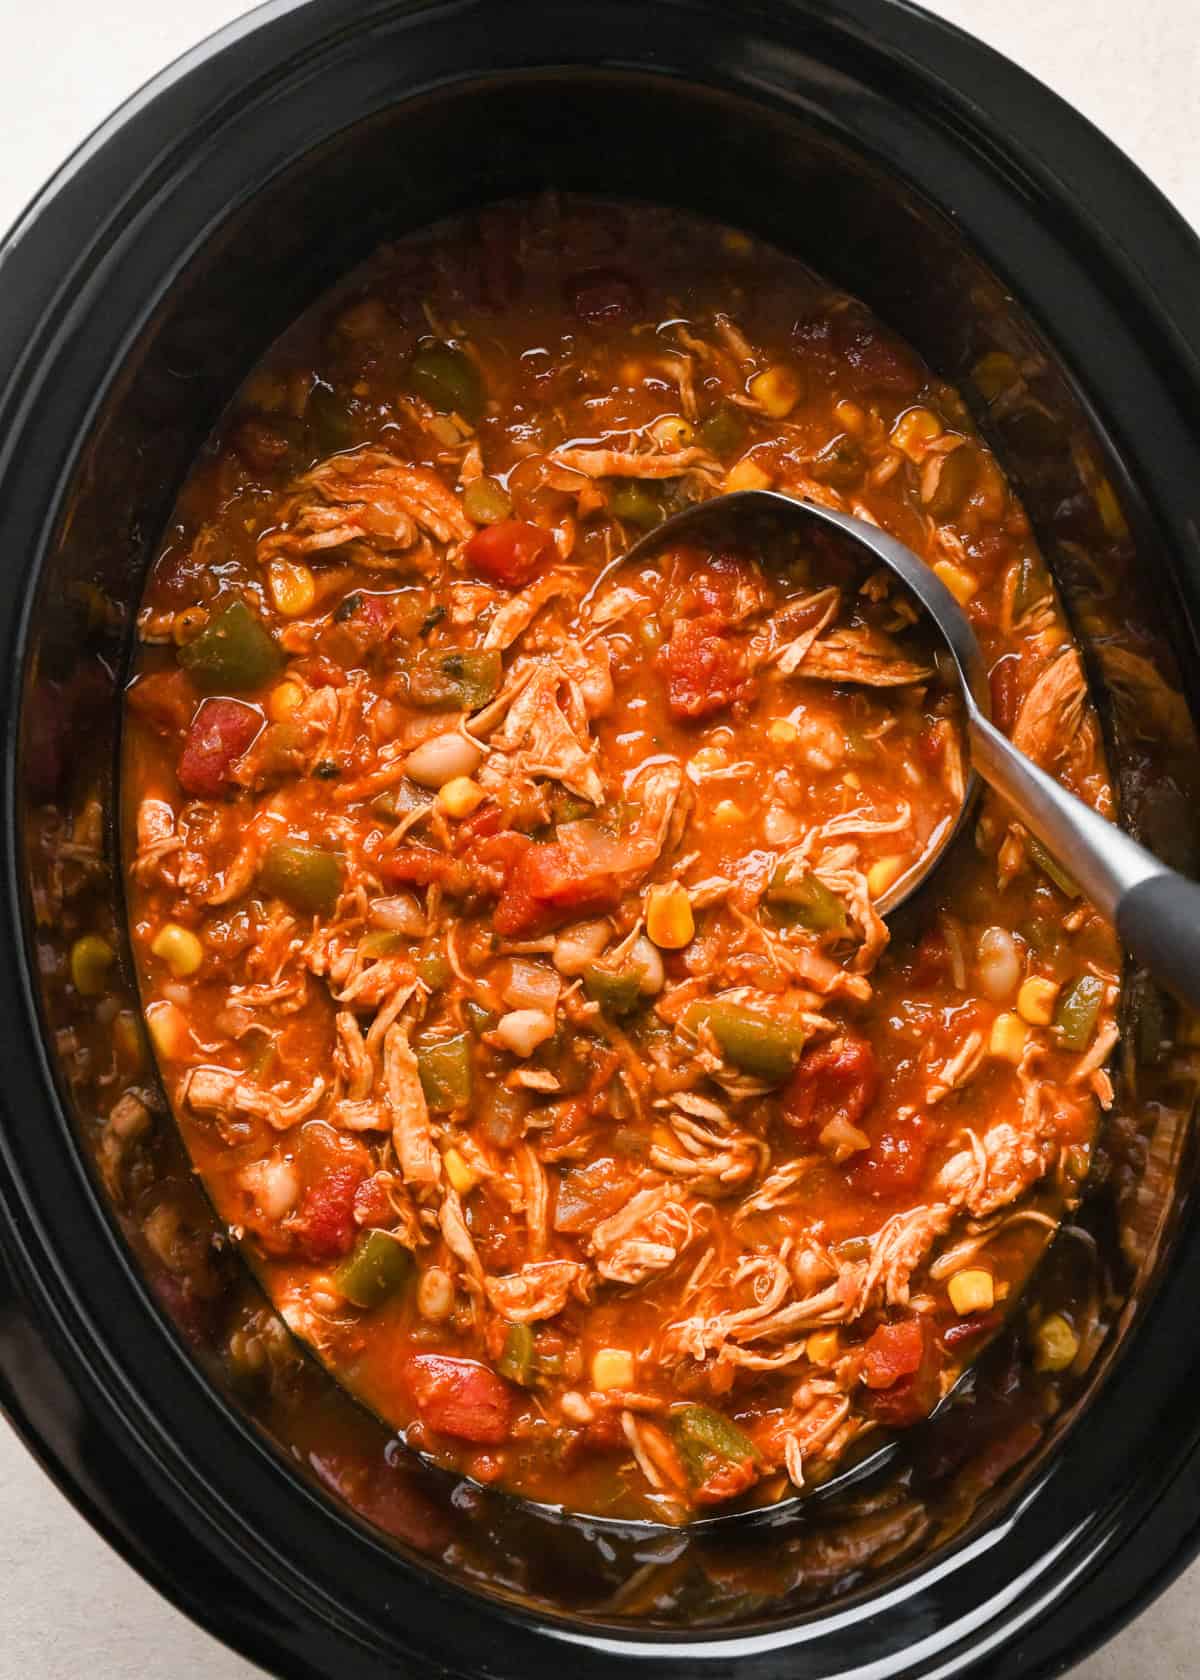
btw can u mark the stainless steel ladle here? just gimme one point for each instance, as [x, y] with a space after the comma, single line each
[1155, 910]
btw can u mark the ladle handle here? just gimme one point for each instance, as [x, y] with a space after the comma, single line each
[1156, 911]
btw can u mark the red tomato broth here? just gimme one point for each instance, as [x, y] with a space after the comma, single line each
[329, 900]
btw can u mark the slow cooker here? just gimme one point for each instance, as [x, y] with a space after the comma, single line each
[984, 220]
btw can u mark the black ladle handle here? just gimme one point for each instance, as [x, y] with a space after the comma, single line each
[1156, 911]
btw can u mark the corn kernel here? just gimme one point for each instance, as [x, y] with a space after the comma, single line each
[168, 1030]
[1109, 509]
[776, 389]
[914, 431]
[179, 949]
[883, 872]
[612, 1368]
[462, 1176]
[1008, 1038]
[673, 432]
[961, 583]
[850, 416]
[284, 699]
[852, 780]
[823, 1347]
[747, 475]
[726, 814]
[460, 796]
[293, 587]
[972, 1291]
[1056, 1344]
[669, 920]
[127, 1038]
[1035, 1001]
[91, 959]
[738, 243]
[782, 731]
[994, 373]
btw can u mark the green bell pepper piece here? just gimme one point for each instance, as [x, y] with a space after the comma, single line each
[807, 900]
[306, 877]
[479, 1019]
[1052, 869]
[434, 970]
[233, 653]
[765, 1049]
[617, 991]
[448, 380]
[722, 430]
[516, 1361]
[632, 500]
[486, 501]
[377, 1269]
[1076, 1011]
[708, 1443]
[328, 420]
[445, 1070]
[457, 678]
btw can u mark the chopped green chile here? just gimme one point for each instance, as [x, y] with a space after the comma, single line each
[767, 1050]
[380, 942]
[1077, 1011]
[233, 654]
[722, 430]
[448, 380]
[434, 970]
[306, 877]
[708, 1443]
[486, 501]
[477, 1017]
[328, 419]
[955, 481]
[634, 501]
[455, 680]
[445, 1070]
[376, 1270]
[807, 900]
[1052, 869]
[617, 991]
[516, 1361]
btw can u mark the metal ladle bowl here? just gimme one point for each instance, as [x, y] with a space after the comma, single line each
[1155, 910]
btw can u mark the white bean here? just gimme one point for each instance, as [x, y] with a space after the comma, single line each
[780, 826]
[274, 1184]
[522, 1030]
[440, 760]
[999, 964]
[435, 1294]
[576, 947]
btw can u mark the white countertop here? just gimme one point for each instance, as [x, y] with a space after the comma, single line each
[70, 1606]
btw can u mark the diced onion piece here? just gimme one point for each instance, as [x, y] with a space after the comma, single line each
[531, 985]
[576, 948]
[840, 1139]
[613, 1368]
[441, 759]
[179, 948]
[1035, 1001]
[645, 959]
[999, 963]
[522, 1030]
[972, 1291]
[669, 920]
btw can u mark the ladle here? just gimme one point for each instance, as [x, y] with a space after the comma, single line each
[1155, 910]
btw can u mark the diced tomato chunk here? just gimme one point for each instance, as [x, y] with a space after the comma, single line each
[166, 700]
[460, 1397]
[893, 1351]
[706, 670]
[372, 1205]
[603, 294]
[723, 585]
[835, 1081]
[323, 1224]
[966, 1329]
[880, 361]
[220, 733]
[545, 884]
[895, 1162]
[420, 865]
[1005, 682]
[511, 553]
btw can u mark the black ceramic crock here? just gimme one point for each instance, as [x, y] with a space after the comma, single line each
[979, 216]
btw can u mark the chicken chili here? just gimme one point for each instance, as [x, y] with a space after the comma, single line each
[506, 916]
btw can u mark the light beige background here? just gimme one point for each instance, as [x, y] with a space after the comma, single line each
[68, 1606]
